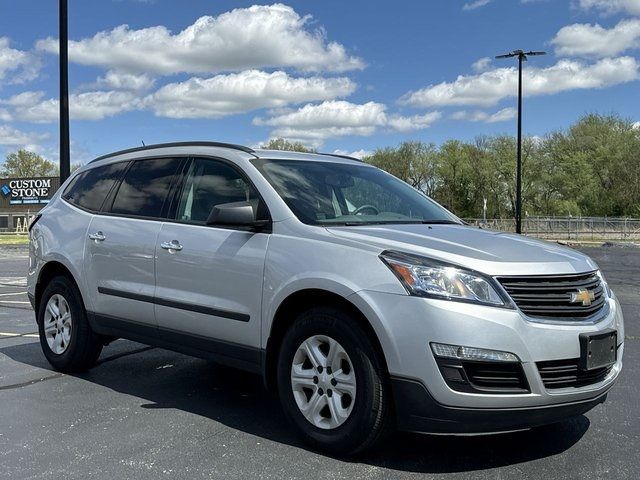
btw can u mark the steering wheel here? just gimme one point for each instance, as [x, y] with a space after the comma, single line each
[362, 208]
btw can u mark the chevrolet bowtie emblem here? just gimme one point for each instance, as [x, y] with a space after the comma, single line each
[583, 296]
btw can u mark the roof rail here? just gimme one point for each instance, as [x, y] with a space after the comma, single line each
[176, 144]
[340, 156]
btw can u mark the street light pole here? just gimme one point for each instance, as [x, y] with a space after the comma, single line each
[519, 155]
[65, 161]
[522, 56]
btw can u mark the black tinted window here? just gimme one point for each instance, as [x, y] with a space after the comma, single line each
[89, 189]
[145, 187]
[209, 183]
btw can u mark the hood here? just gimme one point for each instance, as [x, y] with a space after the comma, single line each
[487, 251]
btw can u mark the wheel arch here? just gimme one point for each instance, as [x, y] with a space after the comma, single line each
[298, 302]
[50, 270]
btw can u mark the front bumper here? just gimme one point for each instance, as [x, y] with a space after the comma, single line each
[406, 325]
[417, 411]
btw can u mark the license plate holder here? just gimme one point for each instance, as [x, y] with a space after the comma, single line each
[598, 350]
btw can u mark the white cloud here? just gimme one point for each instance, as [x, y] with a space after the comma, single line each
[114, 80]
[481, 65]
[244, 38]
[414, 122]
[195, 98]
[595, 41]
[240, 92]
[313, 123]
[33, 107]
[475, 4]
[612, 6]
[480, 116]
[12, 137]
[16, 65]
[488, 88]
[636, 125]
[24, 99]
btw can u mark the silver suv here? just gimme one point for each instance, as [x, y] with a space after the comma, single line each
[361, 302]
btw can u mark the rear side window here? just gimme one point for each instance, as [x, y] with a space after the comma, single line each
[145, 187]
[89, 189]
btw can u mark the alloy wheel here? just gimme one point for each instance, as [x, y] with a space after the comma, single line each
[57, 324]
[323, 382]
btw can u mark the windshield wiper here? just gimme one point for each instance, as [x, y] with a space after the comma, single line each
[393, 222]
[355, 224]
[440, 222]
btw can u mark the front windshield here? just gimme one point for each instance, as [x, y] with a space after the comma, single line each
[328, 193]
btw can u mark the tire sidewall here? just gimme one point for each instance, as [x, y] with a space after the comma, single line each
[63, 287]
[339, 326]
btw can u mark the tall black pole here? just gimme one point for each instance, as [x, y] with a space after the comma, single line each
[519, 160]
[522, 56]
[65, 161]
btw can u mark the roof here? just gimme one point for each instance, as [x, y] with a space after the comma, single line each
[258, 153]
[175, 144]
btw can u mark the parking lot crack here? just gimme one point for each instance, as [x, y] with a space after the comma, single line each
[31, 382]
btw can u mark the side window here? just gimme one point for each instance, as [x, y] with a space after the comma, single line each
[144, 187]
[89, 189]
[209, 183]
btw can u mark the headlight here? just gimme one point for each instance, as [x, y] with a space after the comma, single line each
[425, 277]
[605, 285]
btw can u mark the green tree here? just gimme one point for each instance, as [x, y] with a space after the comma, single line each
[412, 162]
[24, 163]
[282, 144]
[611, 148]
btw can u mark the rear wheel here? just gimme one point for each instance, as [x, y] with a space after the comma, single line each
[66, 339]
[332, 383]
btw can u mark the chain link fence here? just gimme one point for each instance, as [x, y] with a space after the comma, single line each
[569, 228]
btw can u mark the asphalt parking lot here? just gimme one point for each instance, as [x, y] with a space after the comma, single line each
[148, 413]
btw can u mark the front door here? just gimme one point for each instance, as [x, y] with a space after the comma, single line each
[208, 279]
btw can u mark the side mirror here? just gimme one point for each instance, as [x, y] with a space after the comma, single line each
[235, 214]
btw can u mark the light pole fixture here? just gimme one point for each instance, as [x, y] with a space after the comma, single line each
[65, 161]
[522, 56]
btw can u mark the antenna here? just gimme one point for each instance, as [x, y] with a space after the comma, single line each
[143, 143]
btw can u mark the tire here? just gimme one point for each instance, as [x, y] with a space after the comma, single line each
[68, 343]
[368, 419]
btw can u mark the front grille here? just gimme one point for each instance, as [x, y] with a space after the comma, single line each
[567, 373]
[551, 295]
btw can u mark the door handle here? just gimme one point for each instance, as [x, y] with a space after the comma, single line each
[98, 236]
[172, 245]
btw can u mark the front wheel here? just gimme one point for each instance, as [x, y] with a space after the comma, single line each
[332, 383]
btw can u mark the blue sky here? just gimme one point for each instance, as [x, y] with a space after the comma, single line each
[338, 76]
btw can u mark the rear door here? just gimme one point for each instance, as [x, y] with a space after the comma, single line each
[120, 253]
[209, 288]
